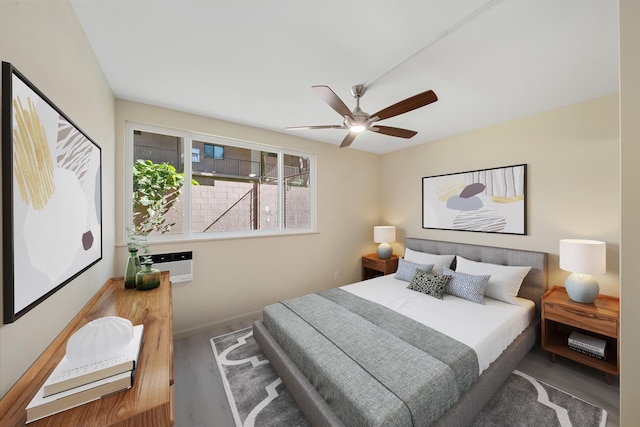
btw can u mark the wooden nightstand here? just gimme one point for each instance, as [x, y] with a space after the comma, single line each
[561, 316]
[373, 266]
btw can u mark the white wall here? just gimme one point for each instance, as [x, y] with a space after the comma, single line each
[44, 41]
[237, 277]
[573, 188]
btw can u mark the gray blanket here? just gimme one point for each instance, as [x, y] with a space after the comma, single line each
[373, 366]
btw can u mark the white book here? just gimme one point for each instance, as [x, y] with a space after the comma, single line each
[41, 406]
[68, 375]
[587, 342]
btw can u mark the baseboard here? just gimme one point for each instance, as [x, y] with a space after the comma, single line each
[221, 326]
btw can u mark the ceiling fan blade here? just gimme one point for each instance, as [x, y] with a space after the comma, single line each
[348, 139]
[409, 104]
[391, 131]
[316, 127]
[333, 100]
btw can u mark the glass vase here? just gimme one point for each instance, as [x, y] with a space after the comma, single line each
[133, 267]
[148, 277]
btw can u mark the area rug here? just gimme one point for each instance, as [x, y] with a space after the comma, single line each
[258, 398]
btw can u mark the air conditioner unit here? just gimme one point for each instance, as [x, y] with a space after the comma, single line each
[179, 265]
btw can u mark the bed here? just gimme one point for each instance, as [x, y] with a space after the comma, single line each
[361, 355]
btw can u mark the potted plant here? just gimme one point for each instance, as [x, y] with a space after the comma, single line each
[156, 189]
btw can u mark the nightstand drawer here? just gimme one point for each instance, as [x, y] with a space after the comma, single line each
[375, 264]
[582, 319]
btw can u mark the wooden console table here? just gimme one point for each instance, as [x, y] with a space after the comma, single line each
[149, 402]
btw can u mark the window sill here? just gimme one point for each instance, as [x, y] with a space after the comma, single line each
[204, 237]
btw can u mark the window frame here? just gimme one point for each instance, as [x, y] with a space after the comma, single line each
[214, 146]
[195, 153]
[187, 142]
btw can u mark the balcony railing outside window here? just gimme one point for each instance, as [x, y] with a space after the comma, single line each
[201, 164]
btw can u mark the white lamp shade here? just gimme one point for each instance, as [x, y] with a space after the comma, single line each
[384, 234]
[583, 256]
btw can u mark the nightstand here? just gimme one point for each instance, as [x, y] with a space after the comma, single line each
[561, 316]
[372, 266]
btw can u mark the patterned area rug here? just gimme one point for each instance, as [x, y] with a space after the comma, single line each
[258, 398]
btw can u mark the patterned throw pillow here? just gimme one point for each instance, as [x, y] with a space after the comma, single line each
[467, 286]
[430, 284]
[407, 269]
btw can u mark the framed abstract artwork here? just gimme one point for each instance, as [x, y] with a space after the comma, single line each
[486, 200]
[51, 197]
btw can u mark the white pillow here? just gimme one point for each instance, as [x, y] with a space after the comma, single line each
[504, 283]
[438, 261]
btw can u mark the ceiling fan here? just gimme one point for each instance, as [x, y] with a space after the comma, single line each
[357, 120]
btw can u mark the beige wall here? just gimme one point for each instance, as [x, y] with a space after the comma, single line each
[572, 157]
[630, 241]
[44, 41]
[236, 277]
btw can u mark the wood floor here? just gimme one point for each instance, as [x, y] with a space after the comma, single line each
[201, 402]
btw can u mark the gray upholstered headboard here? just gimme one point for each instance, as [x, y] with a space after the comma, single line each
[535, 284]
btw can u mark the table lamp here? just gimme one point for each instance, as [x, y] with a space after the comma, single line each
[384, 234]
[582, 258]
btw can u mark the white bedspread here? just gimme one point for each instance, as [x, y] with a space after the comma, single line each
[488, 329]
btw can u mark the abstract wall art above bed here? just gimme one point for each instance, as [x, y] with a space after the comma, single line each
[51, 195]
[486, 200]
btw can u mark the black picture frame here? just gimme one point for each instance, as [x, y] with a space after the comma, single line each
[51, 197]
[485, 200]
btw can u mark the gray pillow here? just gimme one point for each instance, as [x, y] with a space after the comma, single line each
[407, 269]
[430, 284]
[467, 286]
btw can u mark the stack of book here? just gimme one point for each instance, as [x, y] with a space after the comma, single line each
[588, 345]
[72, 384]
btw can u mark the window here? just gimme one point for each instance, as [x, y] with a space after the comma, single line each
[243, 188]
[214, 151]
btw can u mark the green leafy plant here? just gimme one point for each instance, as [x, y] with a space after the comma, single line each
[156, 189]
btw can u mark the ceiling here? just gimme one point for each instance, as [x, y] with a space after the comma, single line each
[254, 61]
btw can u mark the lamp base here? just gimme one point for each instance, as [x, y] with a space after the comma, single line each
[384, 251]
[582, 288]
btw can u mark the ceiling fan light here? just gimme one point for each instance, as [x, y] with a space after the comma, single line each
[356, 123]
